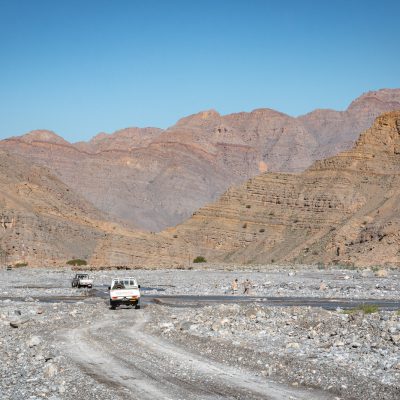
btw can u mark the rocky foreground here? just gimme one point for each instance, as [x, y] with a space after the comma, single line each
[348, 354]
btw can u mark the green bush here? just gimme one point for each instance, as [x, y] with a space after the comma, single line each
[364, 308]
[199, 259]
[76, 262]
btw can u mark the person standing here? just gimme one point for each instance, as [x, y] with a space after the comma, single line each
[235, 286]
[247, 286]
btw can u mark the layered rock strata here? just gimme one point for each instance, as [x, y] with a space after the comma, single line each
[156, 178]
[344, 209]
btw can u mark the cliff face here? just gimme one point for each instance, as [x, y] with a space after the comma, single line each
[345, 209]
[156, 178]
[41, 219]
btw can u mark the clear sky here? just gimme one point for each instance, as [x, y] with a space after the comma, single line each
[80, 67]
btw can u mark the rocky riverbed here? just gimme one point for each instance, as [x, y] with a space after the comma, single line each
[353, 354]
[348, 354]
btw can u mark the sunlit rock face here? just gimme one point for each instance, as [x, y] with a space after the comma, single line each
[153, 178]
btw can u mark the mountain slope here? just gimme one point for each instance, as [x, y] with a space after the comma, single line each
[41, 219]
[155, 179]
[345, 209]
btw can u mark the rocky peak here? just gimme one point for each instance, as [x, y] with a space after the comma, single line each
[383, 136]
[129, 133]
[384, 100]
[200, 119]
[121, 140]
[42, 135]
[267, 113]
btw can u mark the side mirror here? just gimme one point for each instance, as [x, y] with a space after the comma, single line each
[109, 288]
[138, 286]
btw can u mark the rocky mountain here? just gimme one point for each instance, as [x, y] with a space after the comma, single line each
[41, 219]
[157, 178]
[344, 209]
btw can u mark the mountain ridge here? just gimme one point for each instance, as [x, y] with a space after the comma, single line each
[133, 173]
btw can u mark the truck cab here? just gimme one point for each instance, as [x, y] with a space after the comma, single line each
[124, 291]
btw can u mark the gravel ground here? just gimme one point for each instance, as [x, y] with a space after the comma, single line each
[213, 280]
[351, 356]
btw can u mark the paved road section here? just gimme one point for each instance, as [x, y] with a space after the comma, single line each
[197, 301]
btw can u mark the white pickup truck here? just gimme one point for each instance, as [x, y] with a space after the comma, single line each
[82, 280]
[124, 291]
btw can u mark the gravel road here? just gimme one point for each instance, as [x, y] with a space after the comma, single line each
[120, 352]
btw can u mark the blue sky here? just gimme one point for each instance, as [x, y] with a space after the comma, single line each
[82, 67]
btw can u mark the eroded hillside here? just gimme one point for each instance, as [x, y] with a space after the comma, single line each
[345, 209]
[42, 221]
[155, 178]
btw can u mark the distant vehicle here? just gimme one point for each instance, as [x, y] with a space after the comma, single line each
[124, 291]
[9, 267]
[82, 280]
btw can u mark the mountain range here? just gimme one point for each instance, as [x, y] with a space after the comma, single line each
[97, 200]
[153, 179]
[344, 209]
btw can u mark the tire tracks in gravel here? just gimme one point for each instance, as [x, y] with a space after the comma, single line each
[119, 353]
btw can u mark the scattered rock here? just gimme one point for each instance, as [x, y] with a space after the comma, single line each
[34, 341]
[50, 370]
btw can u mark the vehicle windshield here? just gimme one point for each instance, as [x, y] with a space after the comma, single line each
[83, 276]
[124, 283]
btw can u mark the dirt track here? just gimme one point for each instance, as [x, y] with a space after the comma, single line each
[120, 353]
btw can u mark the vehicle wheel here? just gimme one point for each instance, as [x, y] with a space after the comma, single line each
[112, 307]
[79, 286]
[137, 306]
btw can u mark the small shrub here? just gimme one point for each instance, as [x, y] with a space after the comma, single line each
[244, 225]
[261, 230]
[76, 262]
[364, 308]
[248, 206]
[320, 265]
[199, 259]
[175, 236]
[21, 264]
[271, 214]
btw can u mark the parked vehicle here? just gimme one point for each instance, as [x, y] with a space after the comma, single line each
[124, 291]
[82, 280]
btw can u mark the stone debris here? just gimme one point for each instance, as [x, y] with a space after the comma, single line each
[354, 355]
[351, 354]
